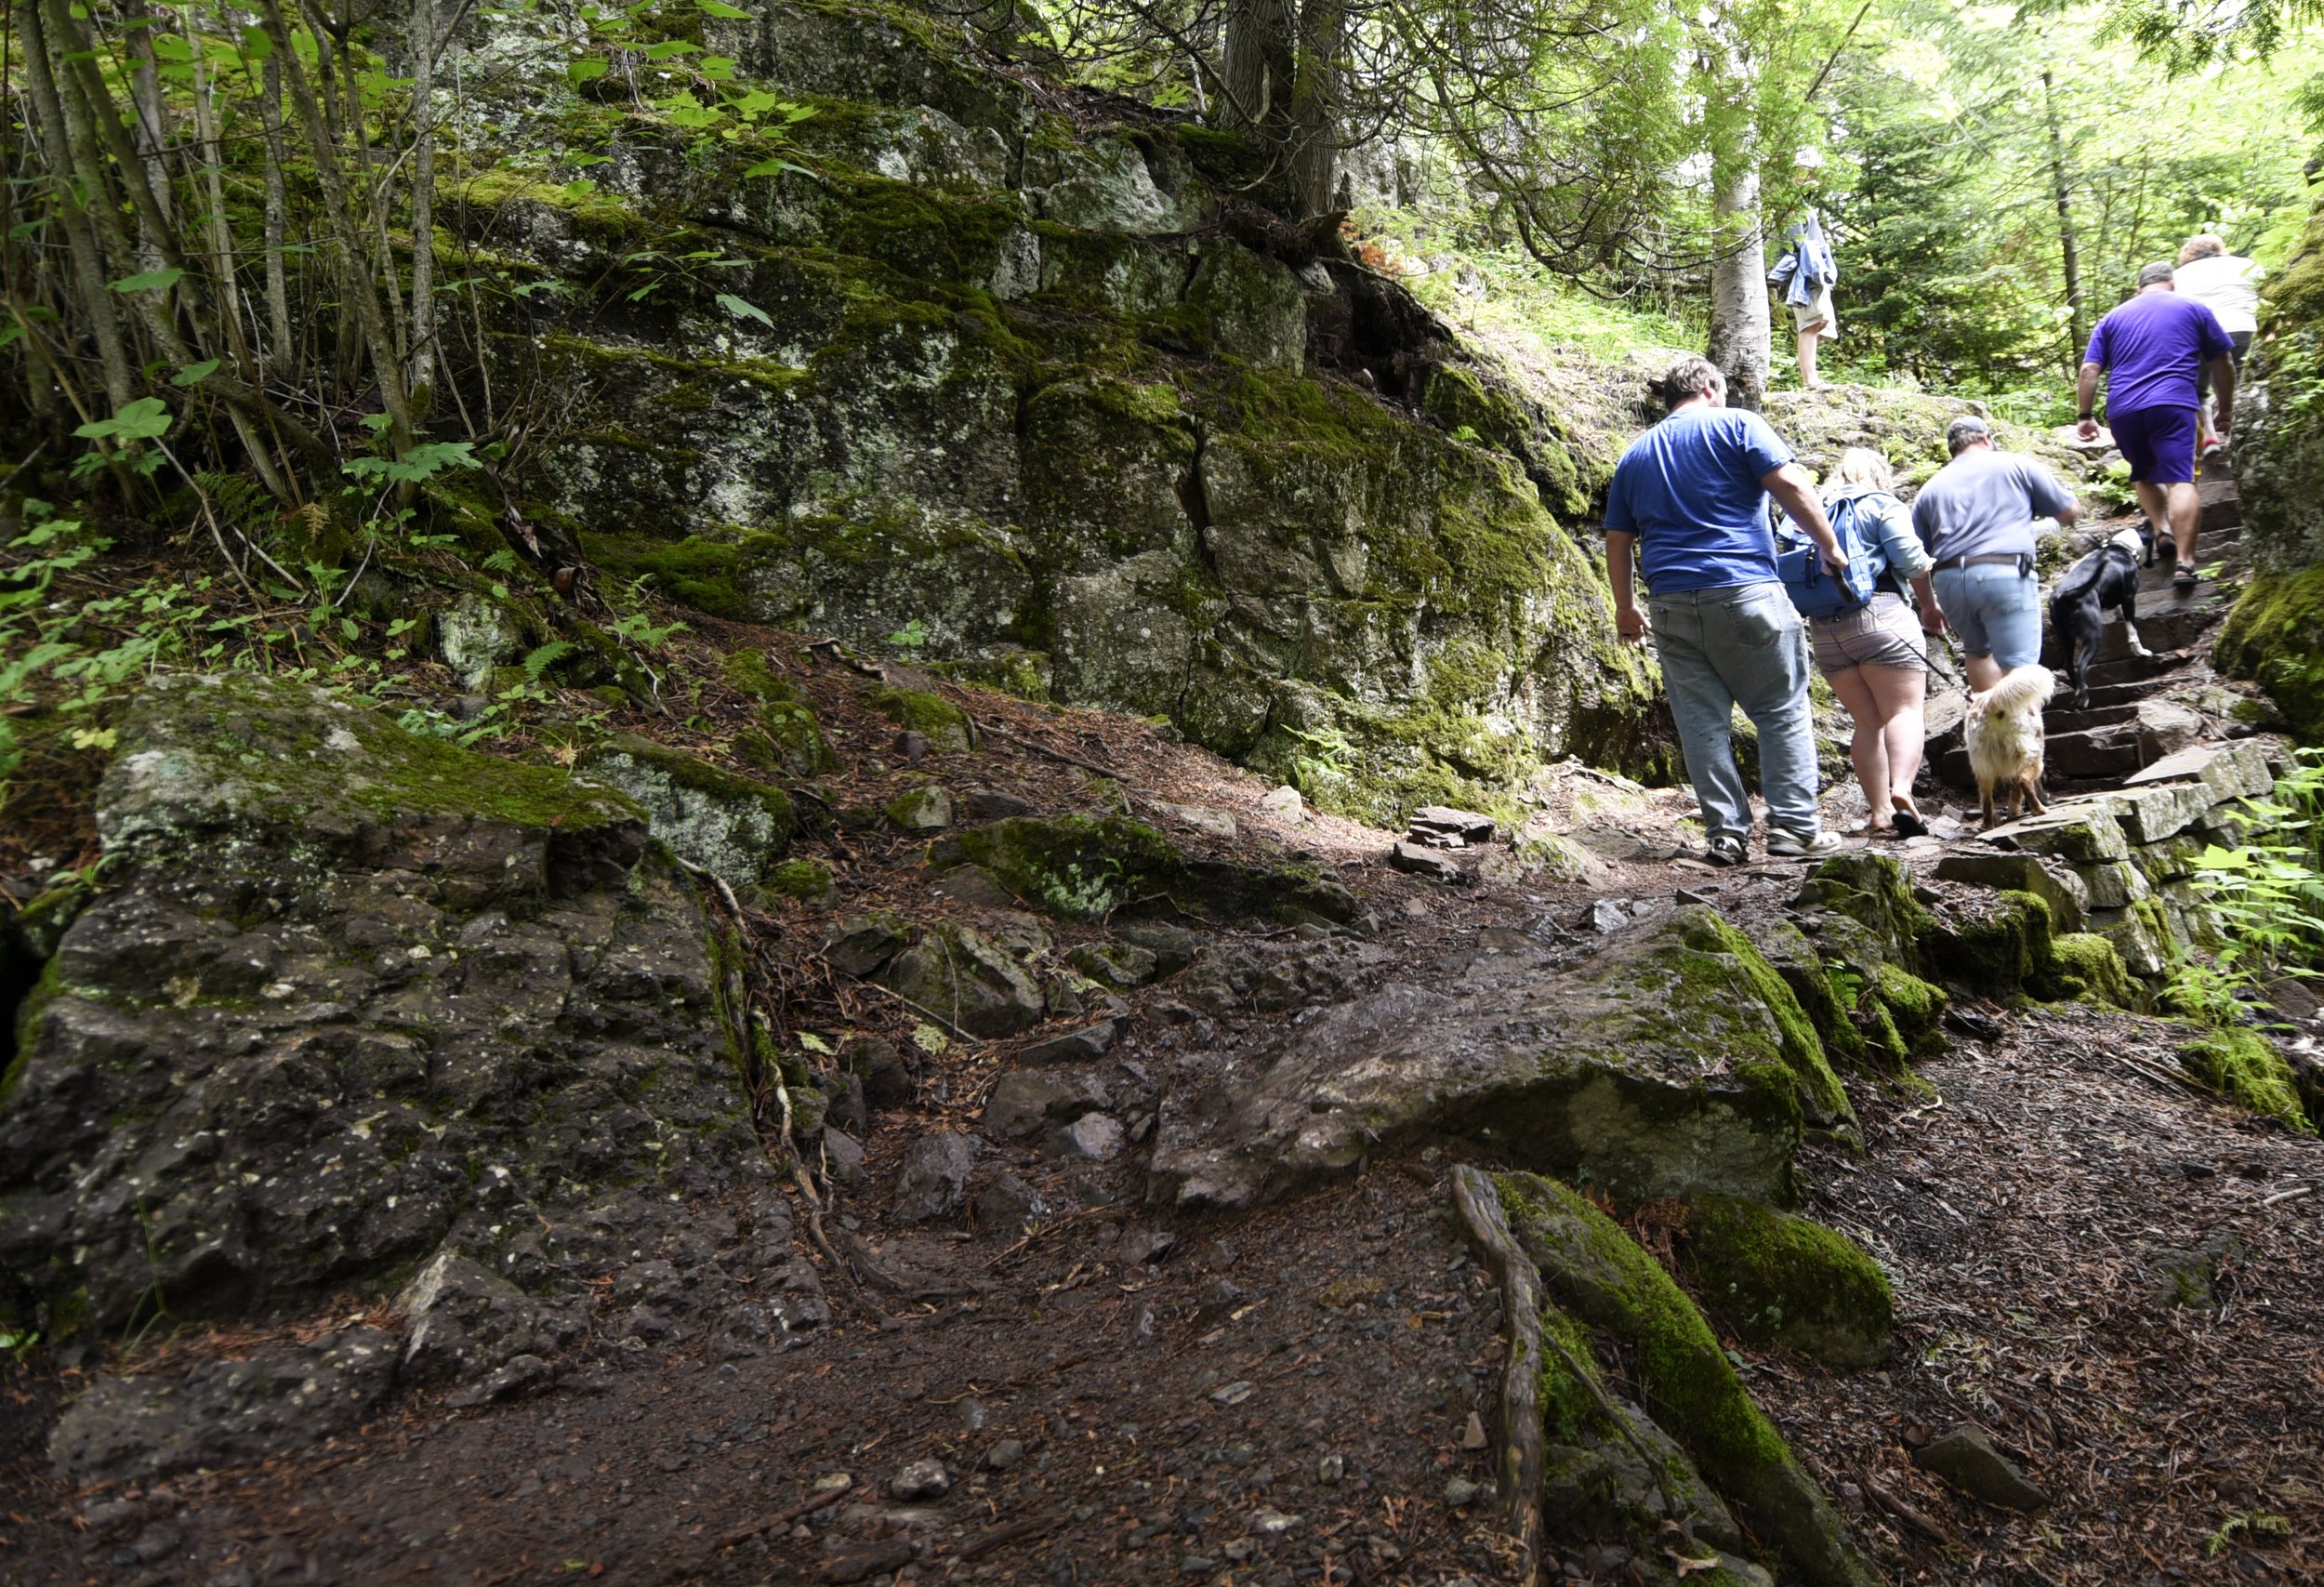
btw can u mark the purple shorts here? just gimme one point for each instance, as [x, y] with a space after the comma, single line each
[2158, 443]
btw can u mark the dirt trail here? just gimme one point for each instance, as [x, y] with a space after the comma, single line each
[1080, 1383]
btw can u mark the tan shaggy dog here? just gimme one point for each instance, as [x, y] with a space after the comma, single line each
[2006, 739]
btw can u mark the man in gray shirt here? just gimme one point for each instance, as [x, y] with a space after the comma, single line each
[1976, 518]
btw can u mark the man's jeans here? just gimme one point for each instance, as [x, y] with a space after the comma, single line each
[1743, 646]
[1995, 610]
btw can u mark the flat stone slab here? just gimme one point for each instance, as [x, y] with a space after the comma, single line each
[2232, 770]
[1656, 1067]
[1966, 1458]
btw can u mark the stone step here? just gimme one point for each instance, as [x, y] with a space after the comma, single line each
[2222, 508]
[2131, 668]
[2063, 717]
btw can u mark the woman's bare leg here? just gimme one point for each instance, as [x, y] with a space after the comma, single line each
[1897, 694]
[1868, 750]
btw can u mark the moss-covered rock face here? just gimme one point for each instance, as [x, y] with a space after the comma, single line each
[1589, 1266]
[2278, 442]
[1009, 389]
[2241, 1064]
[726, 824]
[2275, 637]
[355, 963]
[1780, 1278]
[1675, 1060]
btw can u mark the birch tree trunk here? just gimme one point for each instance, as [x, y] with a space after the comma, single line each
[281, 358]
[1739, 328]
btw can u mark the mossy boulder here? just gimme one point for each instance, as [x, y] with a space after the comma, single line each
[2002, 945]
[727, 824]
[1875, 891]
[1779, 1279]
[790, 740]
[943, 724]
[2085, 967]
[1685, 1381]
[924, 809]
[1675, 1060]
[1085, 867]
[966, 980]
[1119, 965]
[417, 1001]
[2242, 1065]
[1605, 1481]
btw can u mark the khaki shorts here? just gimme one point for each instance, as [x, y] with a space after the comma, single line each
[1817, 316]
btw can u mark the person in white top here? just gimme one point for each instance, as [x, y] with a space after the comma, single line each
[2228, 285]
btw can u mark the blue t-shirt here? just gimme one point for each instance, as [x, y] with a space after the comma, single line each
[2150, 347]
[1689, 490]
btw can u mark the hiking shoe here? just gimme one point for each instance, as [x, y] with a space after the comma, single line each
[1725, 849]
[1797, 845]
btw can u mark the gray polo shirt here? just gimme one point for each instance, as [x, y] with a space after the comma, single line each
[1984, 503]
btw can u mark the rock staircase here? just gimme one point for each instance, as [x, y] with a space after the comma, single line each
[2142, 708]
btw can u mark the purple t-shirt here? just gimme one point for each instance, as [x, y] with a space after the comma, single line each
[2150, 348]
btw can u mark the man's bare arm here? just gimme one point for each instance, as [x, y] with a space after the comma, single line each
[1791, 487]
[1629, 621]
[2085, 396]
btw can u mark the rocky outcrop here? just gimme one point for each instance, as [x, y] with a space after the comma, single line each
[1051, 394]
[1674, 1060]
[356, 1004]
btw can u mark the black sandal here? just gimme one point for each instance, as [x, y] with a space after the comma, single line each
[1907, 823]
[2183, 577]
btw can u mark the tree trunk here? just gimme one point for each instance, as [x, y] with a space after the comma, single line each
[1317, 90]
[88, 263]
[423, 203]
[1739, 329]
[2068, 255]
[1259, 67]
[281, 358]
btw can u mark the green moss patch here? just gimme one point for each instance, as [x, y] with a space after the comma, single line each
[2275, 637]
[2085, 966]
[2249, 1070]
[1783, 1279]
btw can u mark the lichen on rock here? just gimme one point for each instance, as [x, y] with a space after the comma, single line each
[727, 824]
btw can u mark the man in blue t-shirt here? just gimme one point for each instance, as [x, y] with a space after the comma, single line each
[1690, 498]
[2150, 350]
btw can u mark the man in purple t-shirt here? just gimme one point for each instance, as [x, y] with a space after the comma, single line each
[2150, 350]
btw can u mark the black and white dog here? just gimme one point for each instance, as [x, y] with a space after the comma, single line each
[2106, 577]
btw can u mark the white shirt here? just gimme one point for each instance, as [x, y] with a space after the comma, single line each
[2228, 285]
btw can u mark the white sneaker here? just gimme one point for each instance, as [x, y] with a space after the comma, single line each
[1794, 845]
